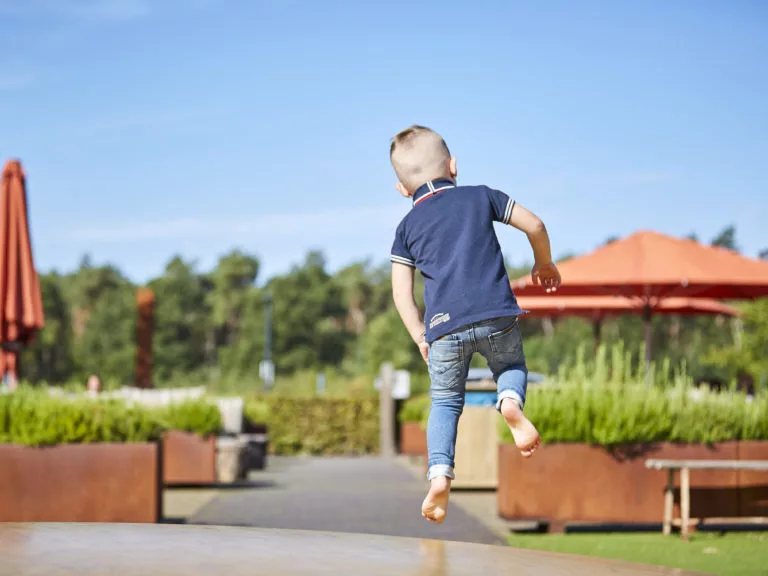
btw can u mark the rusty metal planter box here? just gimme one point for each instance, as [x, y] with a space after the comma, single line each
[413, 440]
[753, 486]
[81, 483]
[188, 458]
[565, 483]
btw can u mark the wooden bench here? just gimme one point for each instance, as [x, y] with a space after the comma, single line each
[685, 467]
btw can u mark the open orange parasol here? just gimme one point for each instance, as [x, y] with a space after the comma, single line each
[21, 307]
[650, 267]
[597, 308]
[602, 306]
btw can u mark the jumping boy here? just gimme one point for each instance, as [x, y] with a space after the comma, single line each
[449, 237]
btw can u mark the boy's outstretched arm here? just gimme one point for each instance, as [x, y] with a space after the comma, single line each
[544, 270]
[402, 292]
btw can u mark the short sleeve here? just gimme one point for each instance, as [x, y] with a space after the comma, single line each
[501, 205]
[400, 253]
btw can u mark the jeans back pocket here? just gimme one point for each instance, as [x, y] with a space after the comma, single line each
[508, 342]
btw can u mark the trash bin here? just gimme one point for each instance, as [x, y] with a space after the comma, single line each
[253, 455]
[228, 451]
[477, 441]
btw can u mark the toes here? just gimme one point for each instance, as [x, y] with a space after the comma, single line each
[528, 451]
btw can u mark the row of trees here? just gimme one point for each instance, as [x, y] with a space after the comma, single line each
[211, 324]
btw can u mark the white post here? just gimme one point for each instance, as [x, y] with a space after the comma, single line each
[685, 500]
[669, 502]
[386, 412]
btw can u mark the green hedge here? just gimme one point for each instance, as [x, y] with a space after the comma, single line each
[35, 418]
[612, 415]
[317, 425]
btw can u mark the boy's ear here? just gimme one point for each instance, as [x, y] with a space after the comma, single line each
[403, 190]
[452, 168]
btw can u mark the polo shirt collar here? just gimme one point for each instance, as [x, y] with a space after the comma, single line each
[431, 188]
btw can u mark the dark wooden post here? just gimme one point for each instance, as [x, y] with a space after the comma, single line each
[145, 299]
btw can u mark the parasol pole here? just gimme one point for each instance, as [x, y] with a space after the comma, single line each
[647, 320]
[597, 324]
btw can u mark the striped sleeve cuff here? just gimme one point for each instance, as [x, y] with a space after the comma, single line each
[508, 211]
[401, 260]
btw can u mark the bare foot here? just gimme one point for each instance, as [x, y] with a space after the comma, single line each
[435, 505]
[525, 434]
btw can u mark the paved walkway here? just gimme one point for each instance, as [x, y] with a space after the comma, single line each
[364, 495]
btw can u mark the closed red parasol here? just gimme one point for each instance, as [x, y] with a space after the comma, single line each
[21, 307]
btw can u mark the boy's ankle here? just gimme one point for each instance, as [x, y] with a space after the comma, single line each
[440, 483]
[510, 409]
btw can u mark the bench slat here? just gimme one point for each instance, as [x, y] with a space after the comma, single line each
[758, 465]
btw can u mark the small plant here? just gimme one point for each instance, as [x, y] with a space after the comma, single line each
[416, 409]
[197, 416]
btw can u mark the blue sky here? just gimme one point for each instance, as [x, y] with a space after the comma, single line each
[151, 128]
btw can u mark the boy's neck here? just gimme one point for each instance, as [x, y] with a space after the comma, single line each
[433, 186]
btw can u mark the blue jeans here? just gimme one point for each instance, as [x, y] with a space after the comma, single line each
[499, 341]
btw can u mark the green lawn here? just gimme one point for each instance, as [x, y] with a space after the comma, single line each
[733, 554]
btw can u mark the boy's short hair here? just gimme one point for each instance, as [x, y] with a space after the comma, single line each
[419, 154]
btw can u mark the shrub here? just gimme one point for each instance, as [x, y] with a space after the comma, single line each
[197, 416]
[317, 425]
[415, 409]
[610, 415]
[608, 400]
[35, 418]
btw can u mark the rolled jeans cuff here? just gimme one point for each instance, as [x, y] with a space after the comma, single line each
[508, 394]
[440, 470]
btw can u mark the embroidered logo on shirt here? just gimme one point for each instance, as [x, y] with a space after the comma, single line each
[438, 319]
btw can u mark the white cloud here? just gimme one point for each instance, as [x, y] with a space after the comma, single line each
[324, 225]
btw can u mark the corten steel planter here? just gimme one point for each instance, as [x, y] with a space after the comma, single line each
[753, 486]
[188, 458]
[582, 483]
[81, 483]
[413, 440]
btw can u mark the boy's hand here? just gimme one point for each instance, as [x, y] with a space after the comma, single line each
[402, 291]
[424, 349]
[547, 275]
[526, 221]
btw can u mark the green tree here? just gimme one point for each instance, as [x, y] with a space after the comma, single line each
[85, 287]
[309, 317]
[50, 357]
[749, 351]
[726, 239]
[181, 321]
[387, 340]
[242, 357]
[231, 281]
[108, 344]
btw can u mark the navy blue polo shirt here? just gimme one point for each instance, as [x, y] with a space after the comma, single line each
[449, 237]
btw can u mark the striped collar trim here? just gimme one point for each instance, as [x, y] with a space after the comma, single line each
[429, 189]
